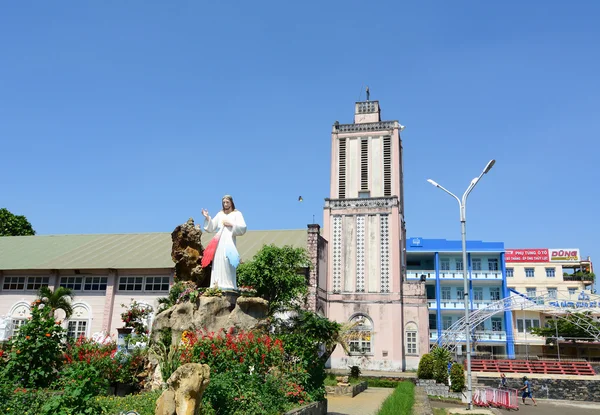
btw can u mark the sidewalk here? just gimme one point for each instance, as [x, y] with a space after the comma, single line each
[365, 403]
[376, 373]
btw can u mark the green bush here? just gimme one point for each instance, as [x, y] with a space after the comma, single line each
[14, 399]
[79, 384]
[400, 402]
[457, 378]
[250, 373]
[354, 372]
[440, 371]
[441, 358]
[245, 394]
[425, 370]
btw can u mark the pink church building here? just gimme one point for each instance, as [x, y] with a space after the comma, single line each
[363, 224]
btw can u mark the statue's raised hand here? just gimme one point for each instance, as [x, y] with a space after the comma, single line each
[205, 213]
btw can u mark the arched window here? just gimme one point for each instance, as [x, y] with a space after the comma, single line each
[411, 335]
[19, 314]
[360, 335]
[80, 321]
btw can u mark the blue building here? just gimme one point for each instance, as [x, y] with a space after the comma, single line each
[439, 263]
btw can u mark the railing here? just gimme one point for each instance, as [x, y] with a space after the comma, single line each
[486, 275]
[483, 335]
[578, 278]
[454, 274]
[477, 304]
[416, 274]
[451, 274]
[458, 304]
[480, 335]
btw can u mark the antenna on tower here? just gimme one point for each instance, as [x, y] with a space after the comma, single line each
[368, 94]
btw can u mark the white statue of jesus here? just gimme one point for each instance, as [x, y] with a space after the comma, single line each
[222, 250]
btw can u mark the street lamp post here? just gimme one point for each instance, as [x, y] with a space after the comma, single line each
[463, 225]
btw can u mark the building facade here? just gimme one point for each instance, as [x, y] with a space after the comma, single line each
[439, 263]
[365, 229]
[108, 272]
[559, 280]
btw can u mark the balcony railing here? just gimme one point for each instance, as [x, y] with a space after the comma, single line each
[458, 304]
[490, 335]
[412, 274]
[477, 304]
[453, 274]
[486, 275]
[479, 336]
[583, 277]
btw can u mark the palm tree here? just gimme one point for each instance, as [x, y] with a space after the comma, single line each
[59, 299]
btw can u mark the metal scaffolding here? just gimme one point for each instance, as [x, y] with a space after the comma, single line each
[548, 303]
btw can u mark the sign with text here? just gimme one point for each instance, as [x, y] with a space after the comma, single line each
[527, 255]
[564, 255]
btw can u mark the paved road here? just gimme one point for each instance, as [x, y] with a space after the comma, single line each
[365, 403]
[544, 407]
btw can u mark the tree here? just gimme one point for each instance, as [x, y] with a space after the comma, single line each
[425, 370]
[274, 273]
[441, 358]
[14, 225]
[570, 327]
[457, 378]
[59, 299]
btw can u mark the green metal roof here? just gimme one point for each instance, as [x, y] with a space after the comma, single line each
[119, 251]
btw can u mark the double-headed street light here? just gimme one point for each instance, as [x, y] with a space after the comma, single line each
[462, 205]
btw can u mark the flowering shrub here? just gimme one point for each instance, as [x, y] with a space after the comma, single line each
[235, 352]
[115, 367]
[247, 291]
[35, 352]
[187, 291]
[249, 372]
[135, 316]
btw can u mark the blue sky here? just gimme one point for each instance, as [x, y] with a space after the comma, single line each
[132, 116]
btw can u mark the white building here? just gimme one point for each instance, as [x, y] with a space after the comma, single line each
[552, 273]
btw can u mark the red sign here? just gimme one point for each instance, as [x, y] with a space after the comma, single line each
[527, 255]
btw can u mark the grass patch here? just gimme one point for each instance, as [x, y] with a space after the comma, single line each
[439, 411]
[400, 402]
[143, 403]
[381, 383]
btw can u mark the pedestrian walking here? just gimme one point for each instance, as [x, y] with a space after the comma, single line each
[527, 390]
[503, 381]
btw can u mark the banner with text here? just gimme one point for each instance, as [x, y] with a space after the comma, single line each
[564, 255]
[527, 255]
